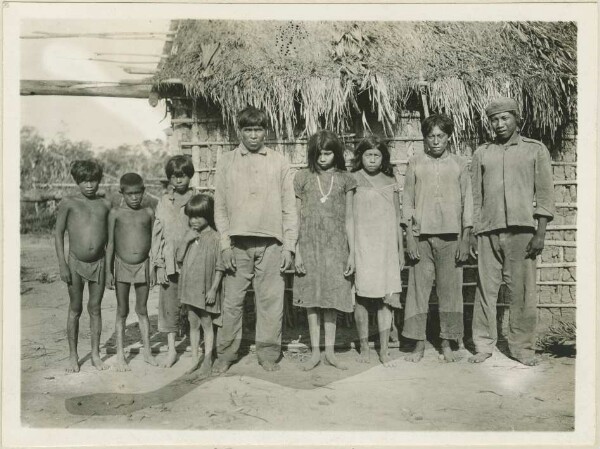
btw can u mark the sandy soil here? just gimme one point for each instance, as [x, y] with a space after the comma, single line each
[498, 395]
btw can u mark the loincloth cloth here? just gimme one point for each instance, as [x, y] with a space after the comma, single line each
[90, 271]
[131, 273]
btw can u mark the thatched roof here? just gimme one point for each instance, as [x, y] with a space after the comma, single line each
[319, 74]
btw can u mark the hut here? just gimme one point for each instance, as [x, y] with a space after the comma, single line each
[383, 77]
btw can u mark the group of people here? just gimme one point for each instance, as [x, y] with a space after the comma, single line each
[341, 233]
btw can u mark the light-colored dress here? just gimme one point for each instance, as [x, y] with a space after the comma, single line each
[376, 241]
[201, 259]
[323, 241]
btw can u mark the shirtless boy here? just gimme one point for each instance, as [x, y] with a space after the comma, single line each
[84, 217]
[127, 261]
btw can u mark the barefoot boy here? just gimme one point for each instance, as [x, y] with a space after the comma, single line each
[255, 213]
[507, 174]
[84, 217]
[438, 215]
[129, 239]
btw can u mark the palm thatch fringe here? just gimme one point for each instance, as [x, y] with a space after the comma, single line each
[309, 75]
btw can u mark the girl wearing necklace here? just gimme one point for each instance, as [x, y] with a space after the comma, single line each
[379, 250]
[324, 253]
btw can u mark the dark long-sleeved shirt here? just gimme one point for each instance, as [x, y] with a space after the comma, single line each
[254, 196]
[437, 196]
[506, 178]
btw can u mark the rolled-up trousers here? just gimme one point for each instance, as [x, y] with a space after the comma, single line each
[258, 262]
[502, 258]
[437, 261]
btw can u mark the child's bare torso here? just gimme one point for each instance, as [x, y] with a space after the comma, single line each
[87, 225]
[133, 234]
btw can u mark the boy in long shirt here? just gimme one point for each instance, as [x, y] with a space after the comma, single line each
[506, 175]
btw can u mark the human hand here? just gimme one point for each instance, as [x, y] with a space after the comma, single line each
[473, 246]
[534, 247]
[161, 276]
[229, 259]
[110, 281]
[462, 252]
[65, 273]
[211, 296]
[152, 278]
[299, 264]
[412, 249]
[190, 235]
[350, 267]
[287, 259]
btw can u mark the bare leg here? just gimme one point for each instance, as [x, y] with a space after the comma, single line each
[75, 309]
[330, 317]
[447, 351]
[171, 353]
[194, 320]
[479, 357]
[209, 343]
[394, 330]
[361, 316]
[122, 292]
[417, 354]
[384, 322]
[94, 309]
[141, 300]
[314, 328]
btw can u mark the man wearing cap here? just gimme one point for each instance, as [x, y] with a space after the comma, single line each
[506, 174]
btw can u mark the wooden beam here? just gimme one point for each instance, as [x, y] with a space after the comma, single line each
[85, 88]
[139, 70]
[138, 35]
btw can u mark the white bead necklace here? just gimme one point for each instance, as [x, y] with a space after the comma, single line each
[324, 196]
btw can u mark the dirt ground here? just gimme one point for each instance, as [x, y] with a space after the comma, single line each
[498, 395]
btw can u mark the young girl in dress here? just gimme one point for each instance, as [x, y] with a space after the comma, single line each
[201, 272]
[378, 247]
[325, 252]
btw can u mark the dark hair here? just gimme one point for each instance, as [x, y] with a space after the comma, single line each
[252, 116]
[179, 165]
[86, 170]
[131, 180]
[373, 143]
[325, 141]
[201, 206]
[442, 121]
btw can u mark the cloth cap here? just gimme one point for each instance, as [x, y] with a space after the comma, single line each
[502, 104]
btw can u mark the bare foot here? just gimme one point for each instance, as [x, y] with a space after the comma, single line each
[220, 367]
[386, 360]
[72, 364]
[417, 354]
[205, 369]
[364, 355]
[121, 365]
[479, 357]
[447, 352]
[270, 366]
[528, 361]
[149, 359]
[194, 366]
[311, 363]
[333, 361]
[98, 363]
[170, 360]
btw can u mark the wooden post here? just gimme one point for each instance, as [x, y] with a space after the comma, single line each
[195, 146]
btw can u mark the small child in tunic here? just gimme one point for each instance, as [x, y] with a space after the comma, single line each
[199, 256]
[378, 246]
[170, 225]
[325, 249]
